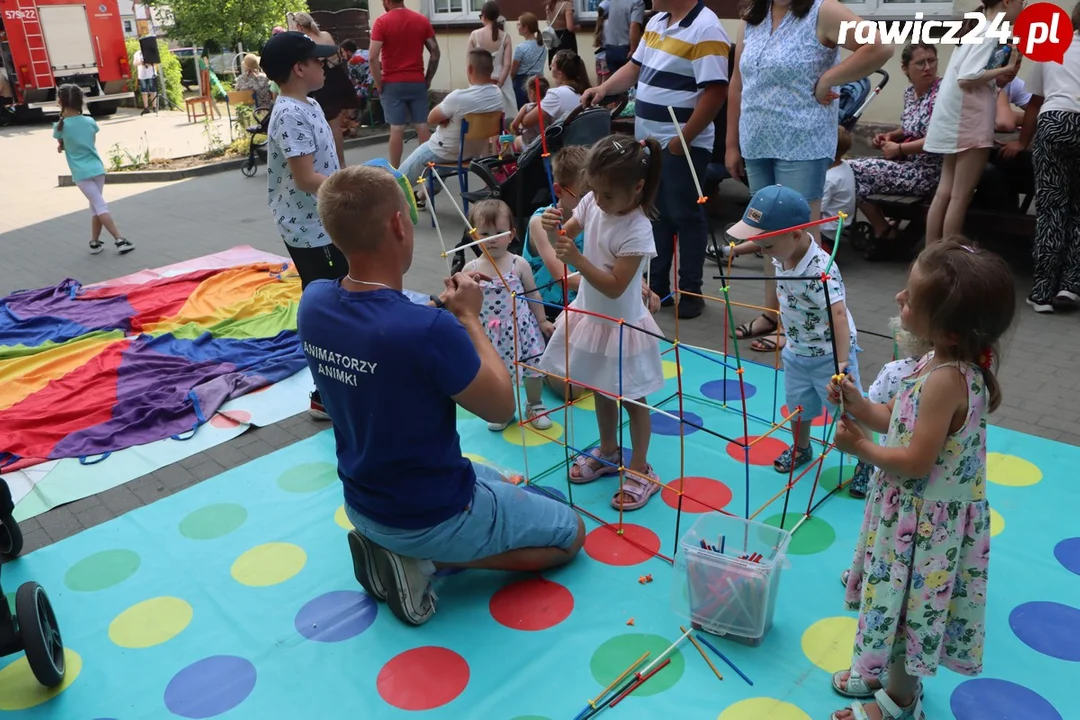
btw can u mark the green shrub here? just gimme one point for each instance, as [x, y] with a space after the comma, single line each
[170, 71]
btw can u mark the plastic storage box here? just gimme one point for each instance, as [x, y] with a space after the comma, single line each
[725, 588]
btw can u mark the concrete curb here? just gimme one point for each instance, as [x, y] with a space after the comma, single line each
[157, 176]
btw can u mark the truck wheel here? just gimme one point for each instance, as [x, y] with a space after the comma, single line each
[104, 109]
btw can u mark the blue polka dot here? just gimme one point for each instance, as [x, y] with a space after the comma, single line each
[991, 699]
[664, 425]
[336, 616]
[1067, 553]
[727, 390]
[210, 687]
[1049, 628]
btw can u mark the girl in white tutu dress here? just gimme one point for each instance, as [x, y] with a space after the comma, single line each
[606, 355]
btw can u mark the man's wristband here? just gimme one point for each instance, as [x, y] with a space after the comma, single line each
[437, 301]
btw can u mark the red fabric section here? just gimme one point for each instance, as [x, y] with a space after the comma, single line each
[402, 33]
[80, 399]
[156, 300]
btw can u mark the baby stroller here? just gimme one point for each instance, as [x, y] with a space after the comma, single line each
[855, 97]
[527, 188]
[258, 139]
[32, 628]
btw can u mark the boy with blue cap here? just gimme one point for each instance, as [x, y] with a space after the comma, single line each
[805, 307]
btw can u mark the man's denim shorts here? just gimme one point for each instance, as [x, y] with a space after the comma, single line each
[405, 103]
[806, 381]
[501, 517]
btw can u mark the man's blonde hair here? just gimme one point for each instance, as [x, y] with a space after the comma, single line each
[354, 204]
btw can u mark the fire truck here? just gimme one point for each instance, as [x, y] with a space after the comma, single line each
[48, 43]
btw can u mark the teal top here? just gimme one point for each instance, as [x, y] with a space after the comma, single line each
[551, 292]
[82, 156]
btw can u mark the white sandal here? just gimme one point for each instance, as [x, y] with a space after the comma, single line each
[856, 685]
[889, 709]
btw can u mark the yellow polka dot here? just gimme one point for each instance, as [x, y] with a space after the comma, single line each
[150, 622]
[1011, 470]
[19, 689]
[763, 709]
[587, 403]
[342, 519]
[828, 643]
[268, 564]
[997, 523]
[670, 369]
[474, 457]
[533, 437]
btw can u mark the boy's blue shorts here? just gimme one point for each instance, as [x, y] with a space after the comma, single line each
[806, 380]
[500, 518]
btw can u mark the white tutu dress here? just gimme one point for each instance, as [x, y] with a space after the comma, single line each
[629, 366]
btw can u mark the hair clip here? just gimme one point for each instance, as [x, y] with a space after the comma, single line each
[969, 249]
[618, 146]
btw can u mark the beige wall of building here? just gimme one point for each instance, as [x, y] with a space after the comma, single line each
[885, 109]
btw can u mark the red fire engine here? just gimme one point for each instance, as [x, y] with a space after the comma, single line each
[47, 43]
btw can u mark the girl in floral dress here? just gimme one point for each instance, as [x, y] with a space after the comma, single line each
[523, 341]
[918, 578]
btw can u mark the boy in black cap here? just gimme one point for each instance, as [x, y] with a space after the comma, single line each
[301, 155]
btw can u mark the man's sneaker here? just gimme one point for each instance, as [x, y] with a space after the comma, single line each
[96, 246]
[408, 593]
[123, 245]
[317, 410]
[537, 418]
[690, 306]
[1039, 306]
[365, 567]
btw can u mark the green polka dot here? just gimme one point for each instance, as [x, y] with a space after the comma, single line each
[308, 477]
[213, 521]
[613, 657]
[830, 478]
[463, 414]
[102, 570]
[814, 535]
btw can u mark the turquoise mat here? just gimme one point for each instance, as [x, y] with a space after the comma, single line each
[235, 598]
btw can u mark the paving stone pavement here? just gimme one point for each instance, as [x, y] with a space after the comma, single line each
[43, 240]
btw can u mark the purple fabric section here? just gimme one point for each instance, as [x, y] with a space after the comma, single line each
[59, 301]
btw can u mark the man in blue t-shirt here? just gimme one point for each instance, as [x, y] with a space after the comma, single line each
[391, 374]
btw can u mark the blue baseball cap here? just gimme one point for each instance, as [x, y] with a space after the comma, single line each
[772, 208]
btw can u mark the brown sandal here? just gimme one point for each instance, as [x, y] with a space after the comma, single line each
[746, 330]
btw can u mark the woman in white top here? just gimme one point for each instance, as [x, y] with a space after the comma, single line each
[1052, 116]
[493, 38]
[569, 79]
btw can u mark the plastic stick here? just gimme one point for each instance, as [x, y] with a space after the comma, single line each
[722, 657]
[686, 153]
[703, 655]
[438, 231]
[474, 243]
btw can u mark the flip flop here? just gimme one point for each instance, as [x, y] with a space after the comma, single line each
[586, 473]
[766, 344]
[639, 490]
[746, 330]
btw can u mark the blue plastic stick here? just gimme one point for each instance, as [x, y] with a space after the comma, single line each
[724, 658]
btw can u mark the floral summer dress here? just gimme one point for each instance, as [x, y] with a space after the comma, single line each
[498, 318]
[934, 534]
[915, 175]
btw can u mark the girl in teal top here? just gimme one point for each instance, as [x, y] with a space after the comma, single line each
[76, 134]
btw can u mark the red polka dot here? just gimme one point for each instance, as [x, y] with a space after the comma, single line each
[820, 420]
[712, 492]
[423, 678]
[533, 604]
[605, 545]
[264, 388]
[764, 452]
[234, 418]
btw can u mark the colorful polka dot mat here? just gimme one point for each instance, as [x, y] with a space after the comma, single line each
[236, 598]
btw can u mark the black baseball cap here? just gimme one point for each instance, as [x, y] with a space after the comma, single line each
[284, 50]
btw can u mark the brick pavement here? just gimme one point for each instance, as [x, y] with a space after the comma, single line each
[43, 236]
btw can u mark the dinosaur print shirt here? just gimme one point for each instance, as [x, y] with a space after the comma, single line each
[297, 128]
[803, 307]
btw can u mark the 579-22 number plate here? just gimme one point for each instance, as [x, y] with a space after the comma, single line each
[29, 14]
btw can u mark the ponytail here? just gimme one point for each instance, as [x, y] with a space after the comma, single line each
[653, 163]
[570, 64]
[69, 97]
[621, 161]
[987, 361]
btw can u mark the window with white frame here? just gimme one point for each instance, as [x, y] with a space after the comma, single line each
[900, 9]
[467, 12]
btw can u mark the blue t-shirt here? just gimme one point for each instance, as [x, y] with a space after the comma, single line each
[552, 292]
[386, 369]
[82, 156]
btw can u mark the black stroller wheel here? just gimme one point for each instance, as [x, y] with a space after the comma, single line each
[40, 634]
[11, 537]
[862, 236]
[249, 168]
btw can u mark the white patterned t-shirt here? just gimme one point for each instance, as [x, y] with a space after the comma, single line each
[298, 128]
[803, 307]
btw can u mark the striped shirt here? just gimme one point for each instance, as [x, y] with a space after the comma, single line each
[676, 62]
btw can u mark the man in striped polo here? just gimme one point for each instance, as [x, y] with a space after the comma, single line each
[681, 62]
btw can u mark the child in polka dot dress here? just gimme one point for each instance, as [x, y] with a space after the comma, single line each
[919, 573]
[523, 341]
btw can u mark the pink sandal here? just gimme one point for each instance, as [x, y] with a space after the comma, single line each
[638, 489]
[586, 473]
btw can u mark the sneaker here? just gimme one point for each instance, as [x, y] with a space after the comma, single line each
[499, 427]
[1043, 308]
[317, 410]
[690, 307]
[408, 593]
[1066, 300]
[96, 246]
[536, 416]
[365, 568]
[123, 246]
